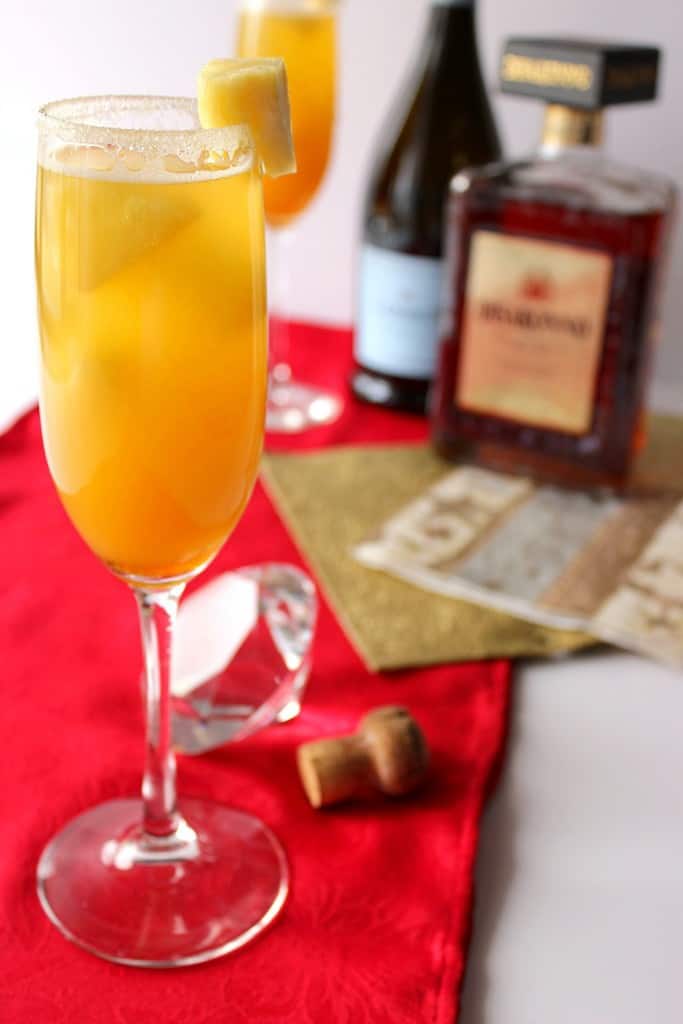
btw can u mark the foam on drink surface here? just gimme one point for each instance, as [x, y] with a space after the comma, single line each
[114, 163]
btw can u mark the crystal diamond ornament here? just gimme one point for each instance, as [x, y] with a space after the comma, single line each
[242, 655]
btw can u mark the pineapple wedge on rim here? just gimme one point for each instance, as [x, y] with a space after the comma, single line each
[253, 92]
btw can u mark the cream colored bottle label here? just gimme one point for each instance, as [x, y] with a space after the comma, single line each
[532, 332]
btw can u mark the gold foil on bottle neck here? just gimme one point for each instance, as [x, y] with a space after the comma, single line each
[567, 126]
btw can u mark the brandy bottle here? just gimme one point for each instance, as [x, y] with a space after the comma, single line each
[554, 267]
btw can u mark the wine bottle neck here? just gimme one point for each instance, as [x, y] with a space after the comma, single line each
[452, 18]
[462, 10]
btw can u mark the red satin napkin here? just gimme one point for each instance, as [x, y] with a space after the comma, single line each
[376, 927]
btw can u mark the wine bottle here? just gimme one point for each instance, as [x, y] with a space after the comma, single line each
[441, 124]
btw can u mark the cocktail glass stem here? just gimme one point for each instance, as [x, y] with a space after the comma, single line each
[280, 287]
[292, 406]
[280, 371]
[158, 610]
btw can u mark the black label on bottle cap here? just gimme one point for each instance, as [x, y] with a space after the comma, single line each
[579, 72]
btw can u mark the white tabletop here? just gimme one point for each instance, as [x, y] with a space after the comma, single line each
[579, 895]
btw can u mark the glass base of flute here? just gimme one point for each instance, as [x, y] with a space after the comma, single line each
[210, 887]
[292, 406]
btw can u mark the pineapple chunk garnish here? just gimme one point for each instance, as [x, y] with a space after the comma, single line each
[252, 92]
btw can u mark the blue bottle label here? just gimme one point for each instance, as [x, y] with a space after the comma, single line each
[398, 316]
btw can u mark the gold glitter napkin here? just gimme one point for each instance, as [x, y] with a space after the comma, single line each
[332, 499]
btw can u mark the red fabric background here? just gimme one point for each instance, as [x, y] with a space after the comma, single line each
[376, 926]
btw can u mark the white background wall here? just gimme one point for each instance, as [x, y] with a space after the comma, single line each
[56, 48]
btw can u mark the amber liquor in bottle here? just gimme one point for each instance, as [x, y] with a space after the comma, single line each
[553, 273]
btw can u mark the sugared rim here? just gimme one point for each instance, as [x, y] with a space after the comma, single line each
[75, 121]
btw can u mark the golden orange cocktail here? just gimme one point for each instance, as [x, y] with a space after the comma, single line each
[151, 294]
[305, 35]
[153, 328]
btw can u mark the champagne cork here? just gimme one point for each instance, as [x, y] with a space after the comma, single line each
[388, 753]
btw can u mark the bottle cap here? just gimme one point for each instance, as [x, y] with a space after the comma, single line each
[583, 73]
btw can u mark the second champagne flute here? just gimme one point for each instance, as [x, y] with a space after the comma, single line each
[304, 33]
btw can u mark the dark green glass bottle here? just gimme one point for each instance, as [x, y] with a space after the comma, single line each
[441, 124]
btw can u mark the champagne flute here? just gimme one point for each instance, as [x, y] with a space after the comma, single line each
[151, 287]
[304, 33]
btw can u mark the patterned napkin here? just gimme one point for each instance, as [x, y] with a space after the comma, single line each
[331, 500]
[334, 500]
